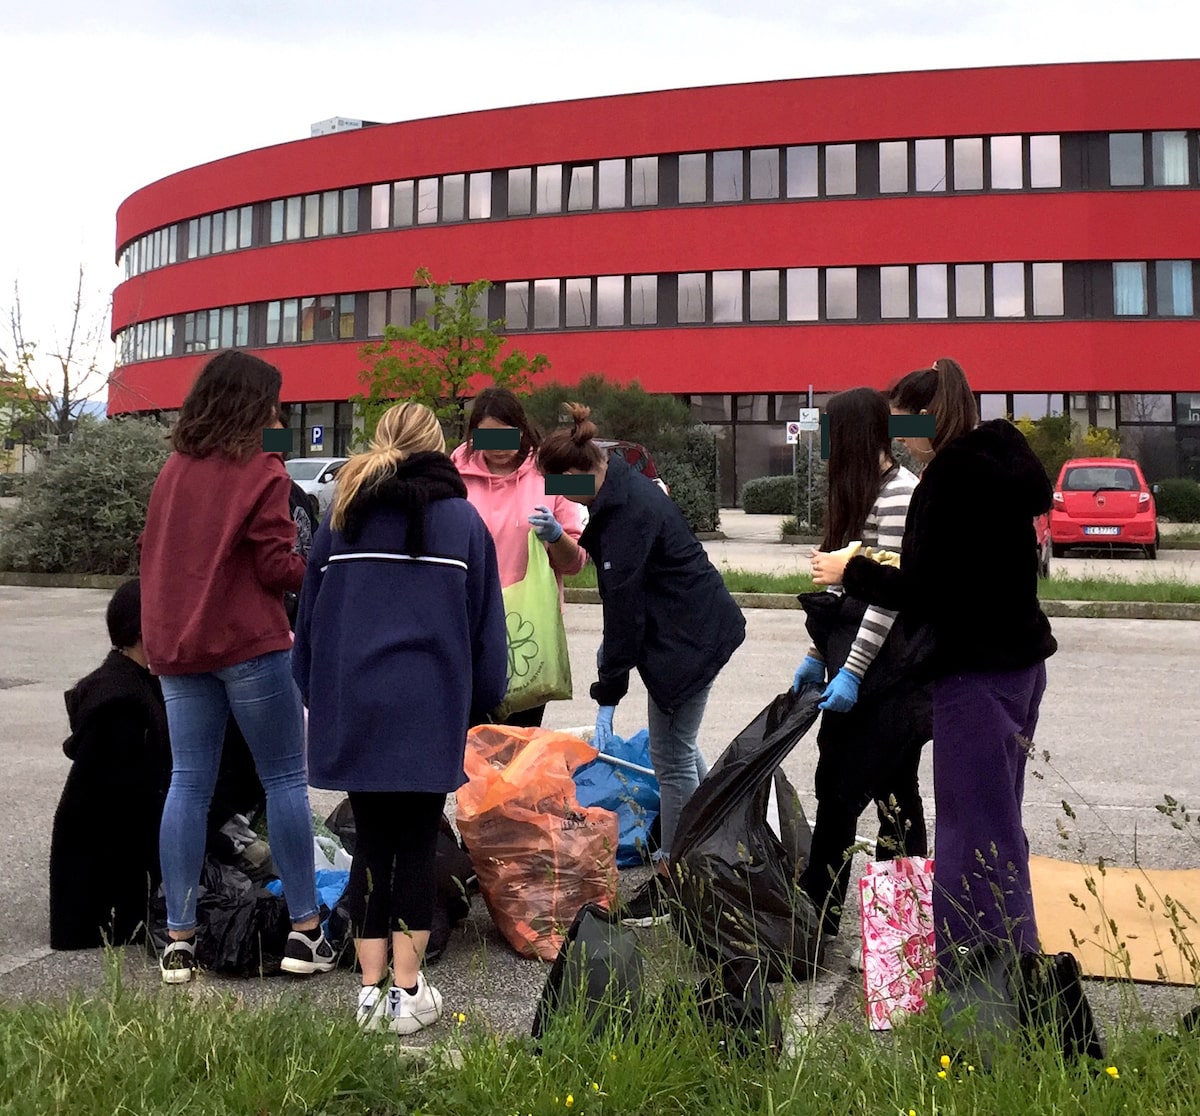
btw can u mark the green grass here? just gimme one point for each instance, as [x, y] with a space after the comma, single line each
[1057, 588]
[167, 1053]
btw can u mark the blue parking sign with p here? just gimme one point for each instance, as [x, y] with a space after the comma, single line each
[318, 436]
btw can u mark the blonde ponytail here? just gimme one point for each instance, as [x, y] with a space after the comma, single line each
[403, 430]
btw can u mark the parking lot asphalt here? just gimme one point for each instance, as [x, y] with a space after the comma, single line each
[1119, 723]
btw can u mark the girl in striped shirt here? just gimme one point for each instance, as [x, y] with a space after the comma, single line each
[876, 715]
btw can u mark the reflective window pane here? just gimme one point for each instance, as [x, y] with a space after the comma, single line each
[427, 201]
[930, 158]
[350, 210]
[516, 305]
[292, 226]
[610, 300]
[227, 327]
[1126, 163]
[1008, 290]
[400, 308]
[1144, 407]
[968, 164]
[692, 289]
[692, 184]
[802, 172]
[325, 319]
[205, 234]
[893, 167]
[231, 230]
[645, 180]
[751, 408]
[381, 206]
[1169, 158]
[643, 300]
[194, 239]
[376, 313]
[479, 204]
[727, 296]
[577, 303]
[802, 305]
[581, 189]
[312, 214]
[764, 296]
[893, 292]
[727, 176]
[764, 173]
[329, 212]
[546, 313]
[289, 328]
[403, 197]
[968, 291]
[423, 304]
[1006, 162]
[1045, 162]
[454, 190]
[612, 184]
[173, 237]
[520, 181]
[932, 295]
[345, 319]
[1048, 288]
[549, 188]
[241, 331]
[841, 171]
[841, 292]
[1036, 405]
[1173, 288]
[993, 406]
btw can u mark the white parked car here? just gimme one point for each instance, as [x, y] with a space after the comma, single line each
[316, 475]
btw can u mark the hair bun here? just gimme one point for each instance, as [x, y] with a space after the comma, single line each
[584, 430]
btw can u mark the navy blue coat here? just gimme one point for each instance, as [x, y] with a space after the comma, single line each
[400, 647]
[667, 612]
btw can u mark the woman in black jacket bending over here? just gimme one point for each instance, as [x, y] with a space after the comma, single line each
[968, 568]
[666, 612]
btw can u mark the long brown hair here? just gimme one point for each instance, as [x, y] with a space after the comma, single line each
[572, 448]
[858, 436]
[403, 430]
[942, 391]
[500, 404]
[233, 399]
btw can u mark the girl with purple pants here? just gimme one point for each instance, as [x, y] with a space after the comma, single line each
[968, 569]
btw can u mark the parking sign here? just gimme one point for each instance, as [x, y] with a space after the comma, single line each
[793, 433]
[318, 437]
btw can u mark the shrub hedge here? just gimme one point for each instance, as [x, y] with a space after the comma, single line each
[1178, 500]
[769, 496]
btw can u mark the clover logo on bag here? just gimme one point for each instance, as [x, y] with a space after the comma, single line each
[522, 647]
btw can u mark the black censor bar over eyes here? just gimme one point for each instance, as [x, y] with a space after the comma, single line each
[570, 484]
[277, 441]
[501, 438]
[899, 426]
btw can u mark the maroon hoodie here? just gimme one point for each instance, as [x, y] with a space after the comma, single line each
[217, 555]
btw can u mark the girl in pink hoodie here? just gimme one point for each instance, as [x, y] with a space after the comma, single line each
[509, 493]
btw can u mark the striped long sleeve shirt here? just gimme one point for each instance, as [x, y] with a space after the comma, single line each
[884, 530]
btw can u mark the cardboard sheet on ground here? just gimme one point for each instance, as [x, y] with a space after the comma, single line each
[1143, 925]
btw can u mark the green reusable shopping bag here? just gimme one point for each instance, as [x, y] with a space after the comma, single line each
[539, 669]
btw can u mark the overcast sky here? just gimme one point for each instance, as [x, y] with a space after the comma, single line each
[103, 98]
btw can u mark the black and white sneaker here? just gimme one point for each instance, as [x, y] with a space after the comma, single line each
[178, 961]
[306, 954]
[650, 905]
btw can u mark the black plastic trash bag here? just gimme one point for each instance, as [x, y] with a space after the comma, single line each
[598, 964]
[737, 880]
[735, 1002]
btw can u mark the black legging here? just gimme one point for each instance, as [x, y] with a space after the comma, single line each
[864, 757]
[392, 881]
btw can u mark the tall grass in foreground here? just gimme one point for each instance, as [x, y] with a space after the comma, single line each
[169, 1053]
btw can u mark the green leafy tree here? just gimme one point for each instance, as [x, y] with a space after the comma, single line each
[83, 509]
[1055, 440]
[443, 360]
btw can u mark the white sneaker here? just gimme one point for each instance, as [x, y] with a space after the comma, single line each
[372, 1011]
[410, 1014]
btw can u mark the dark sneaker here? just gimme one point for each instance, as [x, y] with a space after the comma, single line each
[650, 905]
[178, 962]
[304, 955]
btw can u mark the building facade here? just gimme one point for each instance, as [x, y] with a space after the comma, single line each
[734, 245]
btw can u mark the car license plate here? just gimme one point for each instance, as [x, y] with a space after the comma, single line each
[1102, 530]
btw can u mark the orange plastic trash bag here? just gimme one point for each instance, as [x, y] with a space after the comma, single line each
[538, 854]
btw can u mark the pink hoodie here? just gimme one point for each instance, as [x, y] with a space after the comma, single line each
[506, 503]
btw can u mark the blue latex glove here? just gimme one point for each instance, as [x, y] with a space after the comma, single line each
[811, 670]
[545, 526]
[841, 694]
[602, 737]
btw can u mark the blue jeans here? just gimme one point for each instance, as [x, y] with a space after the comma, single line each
[263, 698]
[678, 764]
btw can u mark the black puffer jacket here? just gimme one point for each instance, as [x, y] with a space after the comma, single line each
[968, 566]
[667, 612]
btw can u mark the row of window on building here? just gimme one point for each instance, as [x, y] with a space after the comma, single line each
[835, 170]
[1162, 288]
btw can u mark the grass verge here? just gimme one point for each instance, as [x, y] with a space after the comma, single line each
[1056, 588]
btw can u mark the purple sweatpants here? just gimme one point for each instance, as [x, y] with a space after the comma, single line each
[982, 726]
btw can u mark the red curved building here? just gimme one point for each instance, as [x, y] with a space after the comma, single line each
[731, 244]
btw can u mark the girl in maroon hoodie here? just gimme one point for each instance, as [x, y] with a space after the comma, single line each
[217, 556]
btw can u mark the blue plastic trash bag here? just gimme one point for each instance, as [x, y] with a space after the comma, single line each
[331, 882]
[622, 780]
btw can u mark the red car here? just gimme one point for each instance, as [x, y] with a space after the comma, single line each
[1041, 531]
[1103, 501]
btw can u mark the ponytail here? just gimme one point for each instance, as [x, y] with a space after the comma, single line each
[571, 448]
[941, 391]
